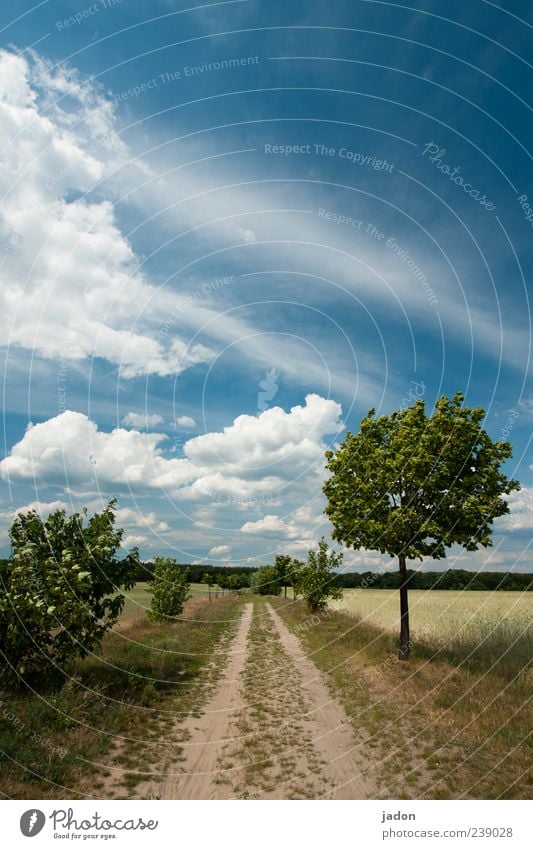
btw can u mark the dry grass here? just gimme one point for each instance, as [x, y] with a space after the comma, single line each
[439, 613]
[144, 675]
[440, 727]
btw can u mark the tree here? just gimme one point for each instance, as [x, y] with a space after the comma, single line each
[169, 589]
[315, 580]
[58, 593]
[265, 581]
[208, 579]
[411, 485]
[282, 564]
[294, 572]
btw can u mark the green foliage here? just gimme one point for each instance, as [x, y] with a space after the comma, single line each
[58, 592]
[282, 565]
[411, 485]
[238, 581]
[266, 581]
[169, 589]
[316, 580]
[414, 485]
[450, 579]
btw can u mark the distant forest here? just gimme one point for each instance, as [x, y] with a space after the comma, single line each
[451, 579]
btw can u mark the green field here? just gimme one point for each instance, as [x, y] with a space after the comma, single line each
[440, 613]
[138, 599]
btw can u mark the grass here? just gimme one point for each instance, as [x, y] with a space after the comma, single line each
[439, 613]
[138, 599]
[145, 674]
[479, 630]
[444, 724]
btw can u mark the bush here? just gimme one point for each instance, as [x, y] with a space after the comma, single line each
[169, 589]
[58, 592]
[266, 581]
[315, 580]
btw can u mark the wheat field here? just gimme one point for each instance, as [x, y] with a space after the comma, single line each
[441, 614]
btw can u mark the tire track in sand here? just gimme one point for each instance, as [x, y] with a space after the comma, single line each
[196, 775]
[292, 740]
[345, 768]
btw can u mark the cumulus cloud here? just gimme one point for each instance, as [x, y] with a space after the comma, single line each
[72, 287]
[185, 421]
[274, 450]
[218, 549]
[129, 518]
[271, 525]
[142, 420]
[258, 454]
[521, 506]
[69, 449]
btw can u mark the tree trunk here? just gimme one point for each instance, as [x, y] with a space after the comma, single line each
[209, 591]
[405, 641]
[285, 590]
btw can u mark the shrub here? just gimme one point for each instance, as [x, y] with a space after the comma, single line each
[58, 592]
[266, 581]
[315, 580]
[169, 589]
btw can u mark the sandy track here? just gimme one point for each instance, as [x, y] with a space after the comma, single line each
[269, 730]
[345, 768]
[196, 777]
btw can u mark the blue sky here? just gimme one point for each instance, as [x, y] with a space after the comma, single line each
[229, 229]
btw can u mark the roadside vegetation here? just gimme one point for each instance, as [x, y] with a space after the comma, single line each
[113, 704]
[453, 723]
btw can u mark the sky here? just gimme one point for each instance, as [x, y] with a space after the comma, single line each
[229, 229]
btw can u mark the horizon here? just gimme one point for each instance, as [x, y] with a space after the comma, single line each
[219, 255]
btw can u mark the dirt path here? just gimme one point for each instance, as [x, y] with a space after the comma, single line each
[196, 777]
[345, 769]
[292, 740]
[269, 730]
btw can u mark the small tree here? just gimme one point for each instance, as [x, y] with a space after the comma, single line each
[282, 564]
[315, 580]
[410, 486]
[208, 579]
[265, 581]
[169, 589]
[295, 571]
[58, 593]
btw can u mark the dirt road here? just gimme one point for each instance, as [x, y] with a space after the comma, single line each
[270, 729]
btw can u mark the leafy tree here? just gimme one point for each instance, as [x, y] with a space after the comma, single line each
[238, 581]
[294, 572]
[282, 565]
[169, 589]
[315, 580]
[210, 580]
[411, 485]
[58, 592]
[222, 581]
[265, 581]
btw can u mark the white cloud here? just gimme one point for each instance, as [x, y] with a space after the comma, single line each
[129, 518]
[185, 421]
[218, 549]
[521, 506]
[142, 420]
[271, 525]
[69, 449]
[134, 540]
[275, 450]
[72, 288]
